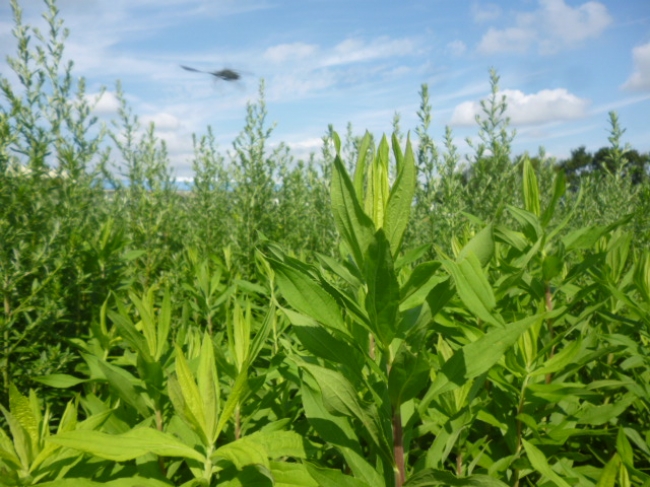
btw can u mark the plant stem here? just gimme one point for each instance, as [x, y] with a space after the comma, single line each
[159, 427]
[237, 423]
[398, 449]
[5, 372]
[549, 307]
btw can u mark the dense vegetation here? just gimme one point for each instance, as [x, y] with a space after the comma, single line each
[383, 314]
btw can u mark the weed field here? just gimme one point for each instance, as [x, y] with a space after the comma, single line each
[386, 313]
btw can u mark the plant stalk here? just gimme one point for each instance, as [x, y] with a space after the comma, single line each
[398, 449]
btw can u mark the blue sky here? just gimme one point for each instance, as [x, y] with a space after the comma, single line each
[563, 64]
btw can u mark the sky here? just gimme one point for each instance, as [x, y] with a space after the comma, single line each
[564, 64]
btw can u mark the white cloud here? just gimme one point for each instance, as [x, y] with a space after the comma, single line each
[513, 39]
[107, 104]
[555, 25]
[284, 52]
[298, 84]
[164, 122]
[640, 78]
[485, 12]
[357, 50]
[538, 108]
[456, 48]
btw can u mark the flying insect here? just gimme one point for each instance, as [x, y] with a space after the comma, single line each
[225, 74]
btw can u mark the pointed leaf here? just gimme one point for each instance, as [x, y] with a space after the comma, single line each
[127, 446]
[279, 444]
[121, 382]
[307, 296]
[409, 374]
[243, 452]
[337, 431]
[360, 167]
[531, 188]
[340, 398]
[208, 387]
[59, 381]
[399, 204]
[431, 477]
[477, 357]
[382, 298]
[473, 288]
[540, 463]
[191, 394]
[356, 228]
[481, 245]
[559, 188]
[327, 477]
[291, 475]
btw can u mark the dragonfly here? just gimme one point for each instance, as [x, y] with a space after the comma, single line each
[225, 74]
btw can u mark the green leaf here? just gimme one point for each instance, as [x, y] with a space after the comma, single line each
[477, 358]
[189, 403]
[145, 311]
[440, 296]
[236, 392]
[583, 238]
[321, 343]
[382, 298]
[409, 374]
[208, 387]
[243, 452]
[121, 382]
[337, 431]
[400, 199]
[529, 221]
[420, 283]
[473, 288]
[531, 188]
[291, 475]
[307, 296]
[377, 191]
[327, 477]
[597, 415]
[124, 482]
[262, 334]
[608, 477]
[540, 463]
[560, 360]
[127, 330]
[431, 477]
[559, 188]
[624, 448]
[340, 398]
[59, 381]
[360, 167]
[127, 446]
[356, 228]
[7, 451]
[481, 245]
[22, 411]
[164, 323]
[279, 444]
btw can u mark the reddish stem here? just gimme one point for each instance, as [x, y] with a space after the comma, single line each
[398, 450]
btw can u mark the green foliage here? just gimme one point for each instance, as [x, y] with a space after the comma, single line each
[377, 315]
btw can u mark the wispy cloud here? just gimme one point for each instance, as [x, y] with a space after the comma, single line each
[640, 78]
[485, 12]
[552, 27]
[456, 48]
[358, 50]
[289, 52]
[537, 108]
[104, 103]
